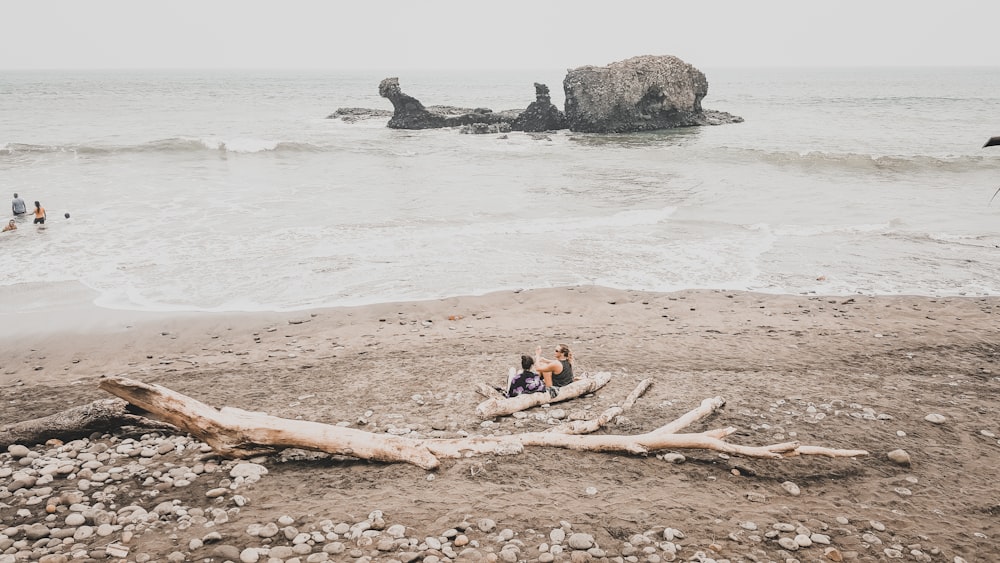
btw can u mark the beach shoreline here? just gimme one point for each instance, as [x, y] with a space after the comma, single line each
[850, 372]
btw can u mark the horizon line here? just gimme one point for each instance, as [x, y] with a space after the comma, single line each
[476, 69]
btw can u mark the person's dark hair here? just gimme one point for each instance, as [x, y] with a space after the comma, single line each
[527, 362]
[15, 195]
[37, 205]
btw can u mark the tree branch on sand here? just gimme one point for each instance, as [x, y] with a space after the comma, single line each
[592, 425]
[77, 422]
[237, 433]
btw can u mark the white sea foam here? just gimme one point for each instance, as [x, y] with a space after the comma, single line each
[816, 230]
[246, 145]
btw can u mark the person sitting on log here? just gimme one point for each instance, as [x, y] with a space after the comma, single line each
[527, 381]
[558, 372]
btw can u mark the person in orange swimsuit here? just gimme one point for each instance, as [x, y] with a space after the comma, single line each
[39, 214]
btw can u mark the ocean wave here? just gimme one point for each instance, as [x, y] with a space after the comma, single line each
[174, 144]
[862, 162]
[820, 230]
[987, 241]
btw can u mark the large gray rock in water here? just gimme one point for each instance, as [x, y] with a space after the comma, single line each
[638, 94]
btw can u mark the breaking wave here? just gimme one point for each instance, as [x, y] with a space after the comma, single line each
[860, 162]
[176, 144]
[809, 161]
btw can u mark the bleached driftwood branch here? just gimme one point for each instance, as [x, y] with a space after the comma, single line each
[593, 424]
[238, 433]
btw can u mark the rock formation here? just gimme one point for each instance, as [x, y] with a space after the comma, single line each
[350, 115]
[638, 94]
[409, 113]
[541, 115]
[485, 128]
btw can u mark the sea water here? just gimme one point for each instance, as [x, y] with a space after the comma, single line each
[233, 191]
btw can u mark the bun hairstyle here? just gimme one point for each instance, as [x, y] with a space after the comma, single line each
[565, 351]
[527, 362]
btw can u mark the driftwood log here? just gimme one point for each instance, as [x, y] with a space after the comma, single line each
[238, 433]
[498, 405]
[99, 416]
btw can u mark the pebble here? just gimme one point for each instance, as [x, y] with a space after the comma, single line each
[248, 470]
[671, 534]
[674, 458]
[788, 543]
[581, 541]
[935, 418]
[791, 488]
[899, 457]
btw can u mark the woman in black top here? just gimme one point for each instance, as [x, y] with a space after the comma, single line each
[558, 372]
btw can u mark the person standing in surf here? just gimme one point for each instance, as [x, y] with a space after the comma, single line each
[17, 206]
[39, 214]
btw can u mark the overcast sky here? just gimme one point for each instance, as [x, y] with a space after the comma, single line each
[452, 34]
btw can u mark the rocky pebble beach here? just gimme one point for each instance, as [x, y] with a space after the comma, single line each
[104, 498]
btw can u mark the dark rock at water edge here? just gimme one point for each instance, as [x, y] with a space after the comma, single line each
[485, 128]
[639, 94]
[350, 115]
[409, 113]
[541, 115]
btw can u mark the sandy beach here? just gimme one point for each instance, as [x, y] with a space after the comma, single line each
[849, 372]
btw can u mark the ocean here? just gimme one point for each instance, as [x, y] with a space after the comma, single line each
[233, 191]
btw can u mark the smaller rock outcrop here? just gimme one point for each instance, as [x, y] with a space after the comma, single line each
[485, 128]
[409, 113]
[541, 115]
[350, 115]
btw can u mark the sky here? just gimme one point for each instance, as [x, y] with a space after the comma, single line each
[505, 34]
